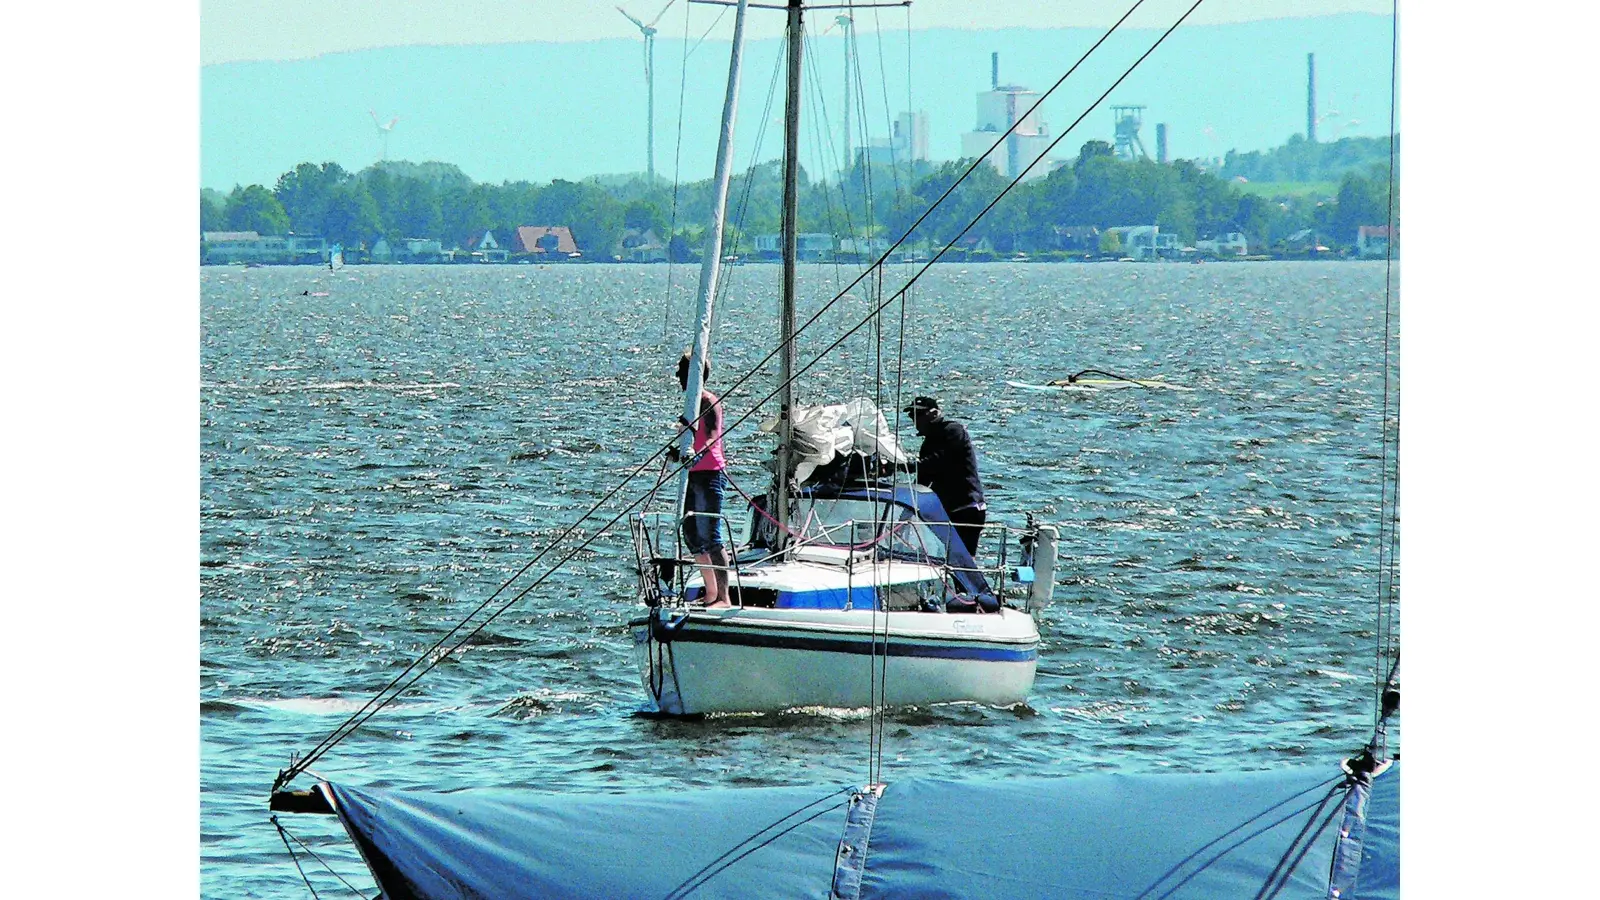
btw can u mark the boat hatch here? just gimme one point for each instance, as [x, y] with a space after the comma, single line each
[838, 556]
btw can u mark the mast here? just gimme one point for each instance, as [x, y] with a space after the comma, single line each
[711, 264]
[650, 106]
[791, 202]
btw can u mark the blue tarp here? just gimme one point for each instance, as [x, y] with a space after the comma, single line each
[1091, 837]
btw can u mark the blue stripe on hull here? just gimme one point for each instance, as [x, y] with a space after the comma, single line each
[861, 647]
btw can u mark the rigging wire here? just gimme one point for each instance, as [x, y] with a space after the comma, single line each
[888, 115]
[380, 700]
[677, 154]
[285, 835]
[1173, 870]
[1212, 860]
[1388, 510]
[1304, 849]
[677, 168]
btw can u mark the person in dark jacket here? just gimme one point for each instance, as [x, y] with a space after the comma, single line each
[948, 464]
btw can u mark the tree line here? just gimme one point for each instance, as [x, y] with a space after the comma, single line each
[397, 200]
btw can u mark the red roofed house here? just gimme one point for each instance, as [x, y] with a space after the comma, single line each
[546, 241]
[1372, 240]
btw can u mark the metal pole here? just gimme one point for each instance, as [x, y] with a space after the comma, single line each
[844, 24]
[650, 106]
[791, 239]
[712, 263]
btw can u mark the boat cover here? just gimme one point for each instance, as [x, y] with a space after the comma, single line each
[826, 431]
[1300, 832]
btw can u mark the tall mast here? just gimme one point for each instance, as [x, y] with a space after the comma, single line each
[711, 264]
[791, 202]
[650, 105]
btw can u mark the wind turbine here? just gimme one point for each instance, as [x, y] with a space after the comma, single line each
[383, 132]
[649, 32]
[845, 22]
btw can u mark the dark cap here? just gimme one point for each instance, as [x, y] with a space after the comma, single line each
[923, 404]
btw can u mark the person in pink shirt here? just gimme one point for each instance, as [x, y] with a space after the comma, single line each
[702, 505]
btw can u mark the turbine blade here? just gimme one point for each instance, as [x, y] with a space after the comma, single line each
[641, 25]
[662, 13]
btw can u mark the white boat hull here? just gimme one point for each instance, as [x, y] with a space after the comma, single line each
[764, 660]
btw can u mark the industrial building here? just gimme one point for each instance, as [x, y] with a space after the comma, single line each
[998, 109]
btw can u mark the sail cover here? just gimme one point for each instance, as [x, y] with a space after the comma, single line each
[826, 431]
[1273, 833]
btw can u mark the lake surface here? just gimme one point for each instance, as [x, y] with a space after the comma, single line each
[382, 447]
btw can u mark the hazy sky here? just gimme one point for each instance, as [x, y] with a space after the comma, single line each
[233, 30]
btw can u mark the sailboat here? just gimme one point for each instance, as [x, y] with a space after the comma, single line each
[1299, 831]
[847, 561]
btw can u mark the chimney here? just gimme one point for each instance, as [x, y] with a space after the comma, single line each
[1311, 97]
[994, 71]
[1161, 143]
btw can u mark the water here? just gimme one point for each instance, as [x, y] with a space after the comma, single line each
[376, 461]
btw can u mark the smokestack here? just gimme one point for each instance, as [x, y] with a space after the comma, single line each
[994, 71]
[1311, 97]
[1161, 143]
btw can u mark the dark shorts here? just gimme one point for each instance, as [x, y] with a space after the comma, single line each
[703, 533]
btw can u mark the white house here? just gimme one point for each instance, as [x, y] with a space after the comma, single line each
[424, 249]
[1146, 241]
[1234, 243]
[873, 246]
[808, 245]
[251, 247]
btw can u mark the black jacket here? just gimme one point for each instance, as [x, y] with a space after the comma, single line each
[948, 464]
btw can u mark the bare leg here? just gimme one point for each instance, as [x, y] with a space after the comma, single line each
[716, 582]
[719, 557]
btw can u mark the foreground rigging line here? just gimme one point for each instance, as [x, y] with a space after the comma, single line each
[368, 709]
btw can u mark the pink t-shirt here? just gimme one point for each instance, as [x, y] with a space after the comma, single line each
[708, 433]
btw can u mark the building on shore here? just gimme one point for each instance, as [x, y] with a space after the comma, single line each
[483, 247]
[246, 247]
[1234, 243]
[809, 246]
[1147, 241]
[544, 243]
[1374, 241]
[998, 109]
[907, 144]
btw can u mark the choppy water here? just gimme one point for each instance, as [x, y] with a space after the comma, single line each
[377, 460]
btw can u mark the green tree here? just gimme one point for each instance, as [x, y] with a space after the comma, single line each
[213, 215]
[465, 212]
[351, 215]
[643, 215]
[417, 212]
[254, 208]
[305, 192]
[1361, 201]
[1093, 150]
